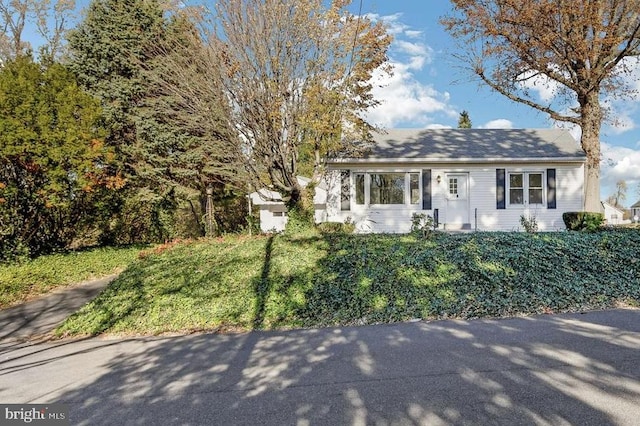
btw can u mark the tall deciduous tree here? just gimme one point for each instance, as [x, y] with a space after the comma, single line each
[620, 194]
[49, 18]
[579, 49]
[296, 79]
[50, 157]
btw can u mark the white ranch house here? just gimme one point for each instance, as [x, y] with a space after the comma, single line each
[475, 179]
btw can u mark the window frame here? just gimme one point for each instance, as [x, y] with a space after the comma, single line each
[345, 190]
[526, 188]
[365, 188]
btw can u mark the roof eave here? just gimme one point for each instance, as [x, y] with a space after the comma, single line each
[458, 160]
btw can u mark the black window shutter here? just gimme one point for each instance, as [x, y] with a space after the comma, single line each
[426, 189]
[501, 202]
[551, 188]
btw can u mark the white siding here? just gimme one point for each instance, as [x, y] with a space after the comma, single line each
[483, 213]
[272, 218]
[613, 215]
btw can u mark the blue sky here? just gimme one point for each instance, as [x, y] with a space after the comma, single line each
[429, 89]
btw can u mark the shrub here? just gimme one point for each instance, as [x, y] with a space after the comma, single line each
[529, 223]
[421, 224]
[583, 221]
[336, 227]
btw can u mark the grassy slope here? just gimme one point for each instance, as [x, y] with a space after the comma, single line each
[314, 280]
[20, 282]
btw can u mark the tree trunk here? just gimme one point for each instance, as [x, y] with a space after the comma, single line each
[590, 140]
[300, 208]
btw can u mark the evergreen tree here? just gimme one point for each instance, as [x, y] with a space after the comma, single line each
[464, 122]
[106, 51]
[51, 158]
[166, 163]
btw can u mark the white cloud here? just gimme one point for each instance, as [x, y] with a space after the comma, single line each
[414, 49]
[413, 33]
[437, 126]
[546, 88]
[619, 163]
[622, 104]
[394, 26]
[501, 123]
[403, 98]
[621, 123]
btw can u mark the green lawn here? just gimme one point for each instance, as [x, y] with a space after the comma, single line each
[242, 283]
[19, 282]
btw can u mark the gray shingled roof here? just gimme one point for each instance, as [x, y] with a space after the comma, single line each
[636, 205]
[474, 144]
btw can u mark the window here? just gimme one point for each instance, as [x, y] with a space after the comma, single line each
[526, 188]
[535, 188]
[387, 188]
[345, 190]
[516, 188]
[453, 186]
[414, 187]
[360, 189]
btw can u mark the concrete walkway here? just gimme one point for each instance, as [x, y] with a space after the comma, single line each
[36, 318]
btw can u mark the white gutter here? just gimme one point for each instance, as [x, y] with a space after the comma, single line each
[458, 160]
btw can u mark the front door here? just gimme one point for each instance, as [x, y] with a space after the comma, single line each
[457, 199]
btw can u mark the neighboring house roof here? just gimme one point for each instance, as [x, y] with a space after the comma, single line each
[612, 207]
[472, 145]
[636, 205]
[268, 197]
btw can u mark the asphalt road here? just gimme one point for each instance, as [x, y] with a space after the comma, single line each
[578, 369]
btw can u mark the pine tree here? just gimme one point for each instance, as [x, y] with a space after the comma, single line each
[464, 122]
[117, 52]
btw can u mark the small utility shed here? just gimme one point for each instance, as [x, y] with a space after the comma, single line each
[613, 215]
[483, 179]
[273, 213]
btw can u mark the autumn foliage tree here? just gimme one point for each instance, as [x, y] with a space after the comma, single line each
[50, 158]
[581, 50]
[295, 80]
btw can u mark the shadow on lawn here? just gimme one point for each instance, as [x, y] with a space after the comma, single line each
[261, 287]
[568, 369]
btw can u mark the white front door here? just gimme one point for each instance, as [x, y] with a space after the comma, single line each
[457, 192]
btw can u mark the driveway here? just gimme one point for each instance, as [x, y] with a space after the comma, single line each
[574, 369]
[36, 318]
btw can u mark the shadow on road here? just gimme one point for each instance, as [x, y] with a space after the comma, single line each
[566, 369]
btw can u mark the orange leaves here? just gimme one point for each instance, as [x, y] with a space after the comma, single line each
[115, 182]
